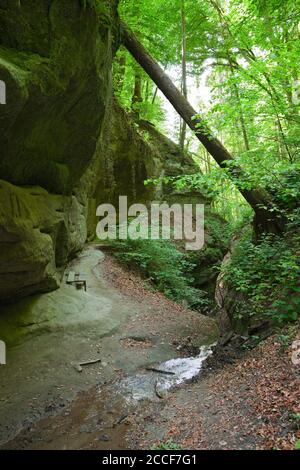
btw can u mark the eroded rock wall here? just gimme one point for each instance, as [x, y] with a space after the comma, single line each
[55, 60]
[38, 233]
[65, 144]
[132, 152]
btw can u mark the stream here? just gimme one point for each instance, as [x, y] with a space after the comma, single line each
[101, 418]
[173, 372]
[131, 347]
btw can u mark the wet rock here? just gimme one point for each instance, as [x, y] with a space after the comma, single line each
[160, 390]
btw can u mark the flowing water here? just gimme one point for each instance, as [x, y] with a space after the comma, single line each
[173, 373]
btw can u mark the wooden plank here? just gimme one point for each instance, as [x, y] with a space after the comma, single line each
[76, 278]
[71, 277]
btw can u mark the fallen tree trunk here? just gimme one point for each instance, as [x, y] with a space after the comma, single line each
[266, 219]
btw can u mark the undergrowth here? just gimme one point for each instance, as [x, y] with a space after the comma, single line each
[167, 445]
[162, 263]
[267, 275]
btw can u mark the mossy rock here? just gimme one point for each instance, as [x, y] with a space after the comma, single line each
[56, 64]
[38, 232]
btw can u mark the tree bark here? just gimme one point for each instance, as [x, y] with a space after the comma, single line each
[120, 75]
[137, 97]
[266, 219]
[154, 95]
[239, 102]
[183, 71]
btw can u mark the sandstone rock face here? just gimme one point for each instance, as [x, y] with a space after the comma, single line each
[132, 152]
[55, 60]
[65, 145]
[56, 64]
[38, 232]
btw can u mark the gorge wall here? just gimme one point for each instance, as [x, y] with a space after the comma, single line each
[65, 144]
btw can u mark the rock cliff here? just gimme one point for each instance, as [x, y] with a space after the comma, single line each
[65, 144]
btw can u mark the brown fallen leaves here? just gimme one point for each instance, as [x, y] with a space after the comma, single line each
[262, 392]
[251, 404]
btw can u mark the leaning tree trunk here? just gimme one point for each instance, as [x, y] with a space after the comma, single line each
[183, 70]
[266, 219]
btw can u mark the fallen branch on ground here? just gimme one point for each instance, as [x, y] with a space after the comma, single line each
[159, 371]
[78, 365]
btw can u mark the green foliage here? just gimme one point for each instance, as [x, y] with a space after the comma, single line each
[248, 51]
[102, 8]
[285, 190]
[284, 341]
[252, 342]
[149, 22]
[297, 445]
[267, 276]
[295, 420]
[217, 187]
[167, 445]
[218, 235]
[124, 72]
[168, 268]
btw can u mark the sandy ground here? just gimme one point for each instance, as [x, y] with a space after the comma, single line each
[251, 402]
[117, 321]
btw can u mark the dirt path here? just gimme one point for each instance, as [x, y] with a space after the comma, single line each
[118, 321]
[46, 403]
[251, 404]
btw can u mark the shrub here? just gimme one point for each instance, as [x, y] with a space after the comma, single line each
[167, 445]
[166, 267]
[267, 275]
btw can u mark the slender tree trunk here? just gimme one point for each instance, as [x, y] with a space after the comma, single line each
[279, 141]
[183, 72]
[250, 56]
[147, 91]
[225, 32]
[259, 199]
[207, 161]
[137, 97]
[120, 75]
[154, 95]
[238, 98]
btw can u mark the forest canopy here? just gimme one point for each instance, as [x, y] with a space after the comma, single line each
[237, 62]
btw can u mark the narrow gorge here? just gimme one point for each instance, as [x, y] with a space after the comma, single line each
[104, 363]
